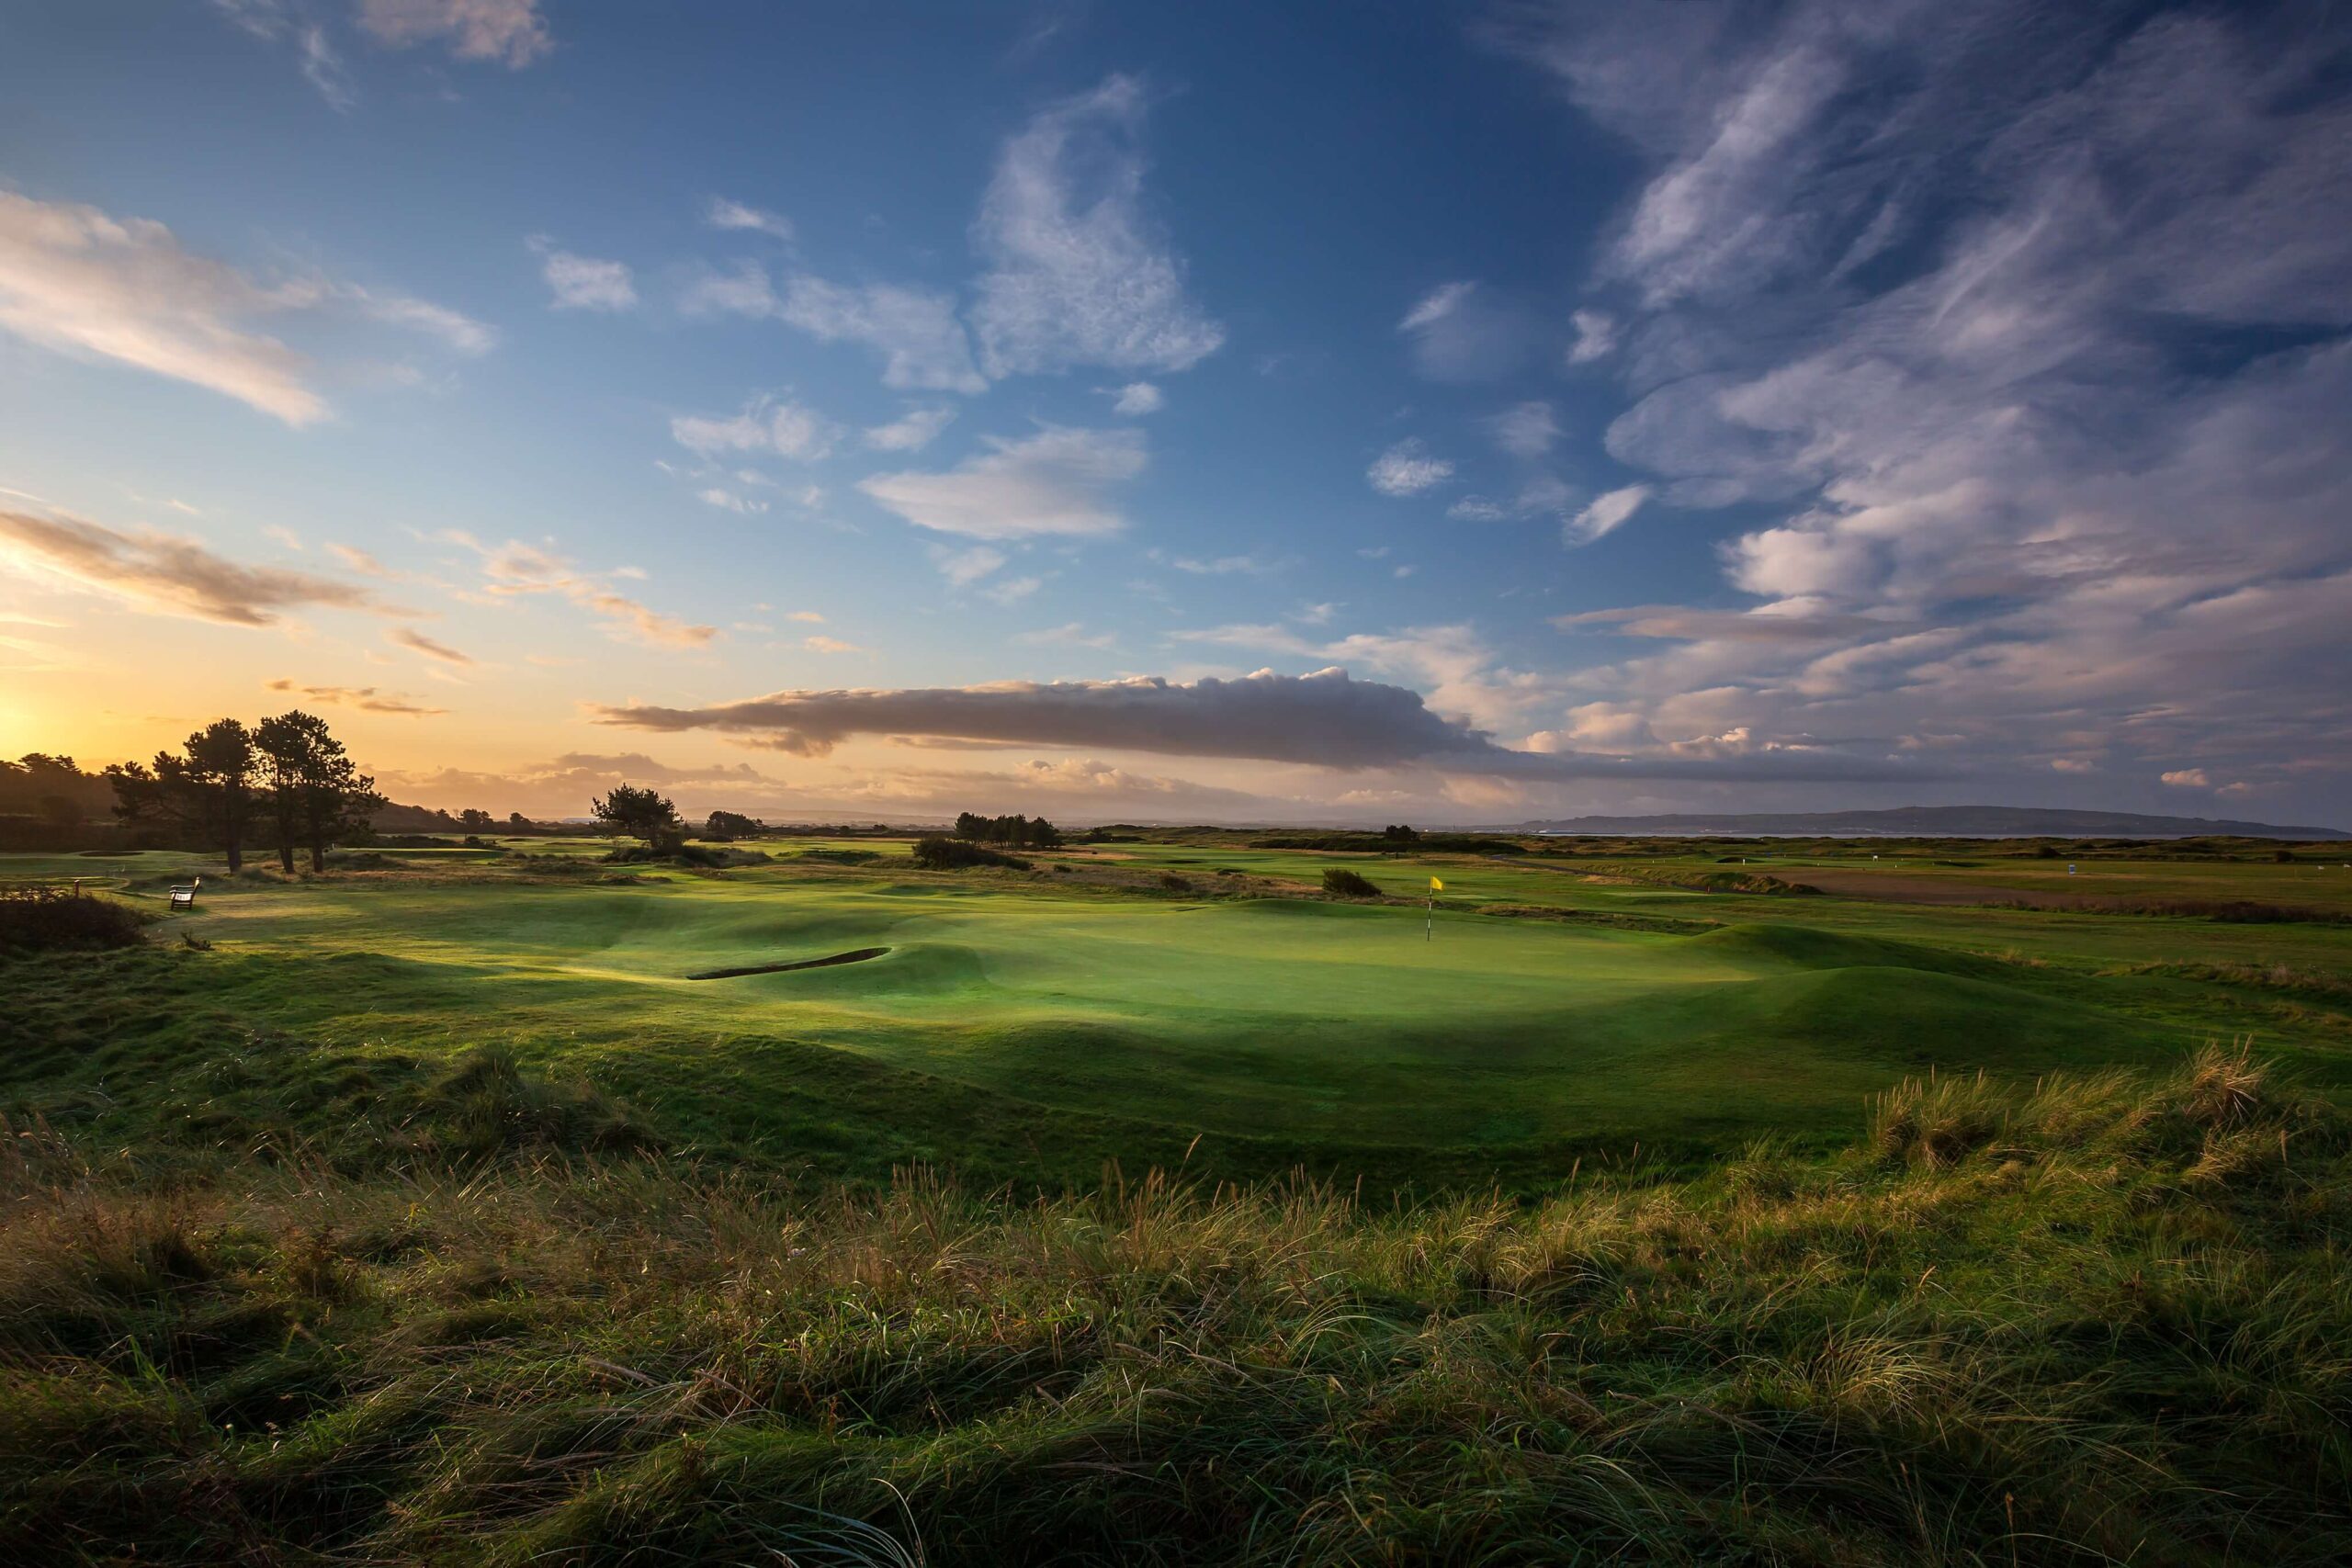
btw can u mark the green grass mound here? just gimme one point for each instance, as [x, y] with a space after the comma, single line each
[1812, 948]
[2100, 1320]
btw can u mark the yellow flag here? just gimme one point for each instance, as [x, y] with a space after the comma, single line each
[1435, 886]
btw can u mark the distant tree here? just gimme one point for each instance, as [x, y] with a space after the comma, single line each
[639, 813]
[1398, 833]
[518, 823]
[1021, 832]
[204, 793]
[732, 824]
[285, 756]
[314, 787]
[221, 760]
[476, 822]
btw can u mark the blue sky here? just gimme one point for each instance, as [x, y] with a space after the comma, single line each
[1458, 412]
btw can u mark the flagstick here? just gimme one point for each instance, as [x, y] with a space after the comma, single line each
[1429, 933]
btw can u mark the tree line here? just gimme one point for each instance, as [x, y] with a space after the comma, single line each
[286, 782]
[1021, 832]
[53, 790]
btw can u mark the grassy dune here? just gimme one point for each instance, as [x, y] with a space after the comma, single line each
[2101, 1320]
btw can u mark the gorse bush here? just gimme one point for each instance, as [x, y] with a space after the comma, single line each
[1341, 883]
[936, 851]
[48, 920]
[2087, 1321]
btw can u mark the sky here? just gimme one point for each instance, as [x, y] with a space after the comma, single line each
[1320, 412]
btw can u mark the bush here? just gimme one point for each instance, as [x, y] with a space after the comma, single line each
[708, 857]
[1172, 883]
[936, 851]
[43, 920]
[1341, 883]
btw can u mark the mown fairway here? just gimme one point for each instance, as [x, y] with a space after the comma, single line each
[1037, 1024]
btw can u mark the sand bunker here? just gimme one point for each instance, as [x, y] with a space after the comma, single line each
[856, 955]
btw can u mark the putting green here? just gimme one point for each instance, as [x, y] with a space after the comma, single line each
[1305, 1026]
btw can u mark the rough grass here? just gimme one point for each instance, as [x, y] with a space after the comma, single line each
[2095, 1320]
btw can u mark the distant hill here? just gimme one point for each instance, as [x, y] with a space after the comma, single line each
[1930, 822]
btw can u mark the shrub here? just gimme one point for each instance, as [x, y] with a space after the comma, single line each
[1341, 883]
[1175, 884]
[936, 851]
[43, 920]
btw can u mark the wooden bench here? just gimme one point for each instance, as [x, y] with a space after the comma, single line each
[185, 897]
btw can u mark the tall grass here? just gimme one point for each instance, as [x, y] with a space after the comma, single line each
[2085, 1321]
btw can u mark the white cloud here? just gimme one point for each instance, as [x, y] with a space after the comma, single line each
[1605, 514]
[461, 332]
[823, 644]
[76, 280]
[1407, 469]
[1216, 565]
[1596, 336]
[511, 32]
[910, 432]
[964, 566]
[1078, 273]
[1138, 397]
[1436, 306]
[1013, 590]
[2188, 778]
[734, 216]
[923, 346]
[1476, 509]
[584, 283]
[787, 429]
[1526, 430]
[1050, 483]
[728, 500]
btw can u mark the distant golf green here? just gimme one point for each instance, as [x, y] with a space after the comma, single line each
[1277, 1027]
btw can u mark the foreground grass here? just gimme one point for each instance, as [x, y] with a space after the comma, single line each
[2104, 1319]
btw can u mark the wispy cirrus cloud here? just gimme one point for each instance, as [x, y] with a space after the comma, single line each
[734, 216]
[583, 283]
[1465, 331]
[778, 426]
[912, 431]
[1051, 483]
[1605, 514]
[417, 642]
[921, 342]
[76, 280]
[289, 22]
[508, 32]
[2005, 380]
[167, 574]
[515, 570]
[1407, 469]
[368, 699]
[1078, 273]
